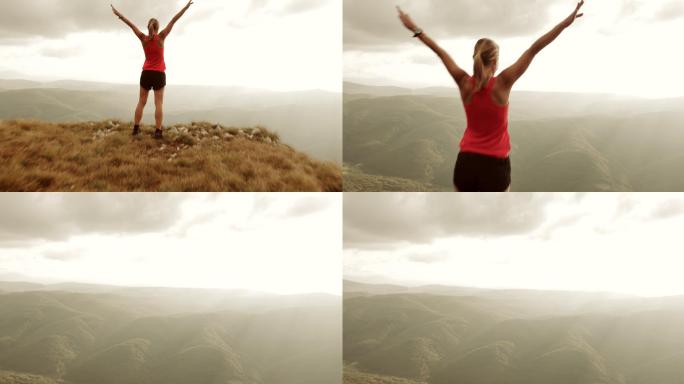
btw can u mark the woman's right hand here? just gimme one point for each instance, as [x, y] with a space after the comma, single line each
[574, 15]
[406, 20]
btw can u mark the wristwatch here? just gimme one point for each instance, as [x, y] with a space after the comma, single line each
[417, 32]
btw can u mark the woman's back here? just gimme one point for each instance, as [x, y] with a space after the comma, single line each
[154, 54]
[487, 130]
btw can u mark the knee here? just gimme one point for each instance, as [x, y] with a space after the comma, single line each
[142, 101]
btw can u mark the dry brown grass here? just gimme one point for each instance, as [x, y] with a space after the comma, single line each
[102, 156]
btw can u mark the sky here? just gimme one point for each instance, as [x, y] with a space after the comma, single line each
[277, 45]
[275, 243]
[624, 243]
[622, 47]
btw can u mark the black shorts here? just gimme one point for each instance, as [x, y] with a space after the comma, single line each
[153, 80]
[480, 173]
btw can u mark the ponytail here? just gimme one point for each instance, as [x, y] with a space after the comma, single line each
[486, 53]
[478, 70]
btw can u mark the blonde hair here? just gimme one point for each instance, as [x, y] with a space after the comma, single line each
[486, 54]
[153, 26]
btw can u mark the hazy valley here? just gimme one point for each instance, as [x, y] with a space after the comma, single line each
[396, 137]
[436, 335]
[85, 334]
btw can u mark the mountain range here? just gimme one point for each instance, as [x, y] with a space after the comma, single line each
[560, 141]
[434, 334]
[84, 334]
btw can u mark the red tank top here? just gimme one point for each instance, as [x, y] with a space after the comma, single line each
[487, 130]
[154, 55]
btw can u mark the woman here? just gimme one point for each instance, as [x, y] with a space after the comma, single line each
[153, 74]
[483, 164]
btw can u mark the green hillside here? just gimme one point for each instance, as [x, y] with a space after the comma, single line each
[511, 337]
[561, 142]
[149, 336]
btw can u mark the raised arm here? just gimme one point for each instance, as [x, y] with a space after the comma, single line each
[511, 74]
[165, 32]
[135, 29]
[458, 74]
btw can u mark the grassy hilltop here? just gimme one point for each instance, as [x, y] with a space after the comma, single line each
[103, 156]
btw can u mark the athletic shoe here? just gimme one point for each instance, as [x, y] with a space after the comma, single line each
[158, 134]
[136, 131]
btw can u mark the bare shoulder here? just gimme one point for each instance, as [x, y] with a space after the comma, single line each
[466, 88]
[466, 83]
[501, 90]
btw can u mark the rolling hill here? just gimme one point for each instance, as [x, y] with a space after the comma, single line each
[454, 335]
[561, 142]
[158, 335]
[103, 156]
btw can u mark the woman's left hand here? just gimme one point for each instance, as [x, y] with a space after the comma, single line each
[116, 12]
[406, 20]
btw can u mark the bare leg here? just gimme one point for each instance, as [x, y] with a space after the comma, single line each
[141, 105]
[159, 105]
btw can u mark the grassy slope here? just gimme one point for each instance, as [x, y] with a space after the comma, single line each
[354, 376]
[7, 377]
[102, 156]
[356, 180]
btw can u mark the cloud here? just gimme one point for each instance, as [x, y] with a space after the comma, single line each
[652, 11]
[55, 19]
[667, 209]
[283, 7]
[375, 23]
[428, 258]
[298, 205]
[63, 254]
[60, 52]
[672, 10]
[379, 220]
[29, 218]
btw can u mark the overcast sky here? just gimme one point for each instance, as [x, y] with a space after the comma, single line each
[278, 45]
[628, 243]
[627, 47]
[280, 243]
